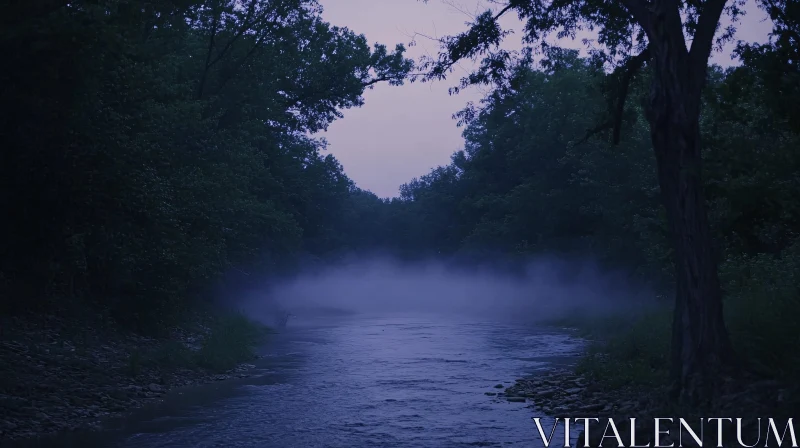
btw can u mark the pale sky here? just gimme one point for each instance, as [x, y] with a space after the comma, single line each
[403, 132]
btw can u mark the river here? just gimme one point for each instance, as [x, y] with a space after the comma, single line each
[401, 381]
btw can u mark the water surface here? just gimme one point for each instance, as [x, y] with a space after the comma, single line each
[360, 382]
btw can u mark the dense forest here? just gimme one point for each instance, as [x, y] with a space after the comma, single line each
[149, 147]
[152, 148]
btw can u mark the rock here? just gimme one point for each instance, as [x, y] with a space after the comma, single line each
[573, 390]
[516, 399]
[546, 393]
[491, 394]
[155, 388]
[498, 386]
[562, 411]
[593, 407]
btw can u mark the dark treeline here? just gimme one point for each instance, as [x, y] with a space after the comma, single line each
[557, 162]
[151, 149]
[702, 174]
[530, 181]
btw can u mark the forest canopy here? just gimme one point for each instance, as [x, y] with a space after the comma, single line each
[150, 147]
[149, 151]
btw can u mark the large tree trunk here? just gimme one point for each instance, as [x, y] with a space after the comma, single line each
[701, 348]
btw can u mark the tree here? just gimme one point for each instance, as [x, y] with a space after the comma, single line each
[148, 149]
[633, 33]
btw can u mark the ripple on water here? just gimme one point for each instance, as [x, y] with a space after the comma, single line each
[380, 383]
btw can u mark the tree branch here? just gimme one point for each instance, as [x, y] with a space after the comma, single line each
[246, 25]
[443, 66]
[502, 11]
[239, 65]
[703, 40]
[631, 68]
[640, 10]
[375, 81]
[789, 24]
[207, 65]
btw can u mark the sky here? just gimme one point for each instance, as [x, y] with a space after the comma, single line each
[403, 132]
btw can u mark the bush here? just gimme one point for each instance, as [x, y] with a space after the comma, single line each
[762, 310]
[233, 339]
[629, 351]
[762, 306]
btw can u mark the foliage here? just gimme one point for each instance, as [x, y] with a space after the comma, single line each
[636, 353]
[149, 149]
[530, 181]
[527, 183]
[233, 339]
[762, 311]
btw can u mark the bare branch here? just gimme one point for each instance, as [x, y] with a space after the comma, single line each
[458, 8]
[431, 38]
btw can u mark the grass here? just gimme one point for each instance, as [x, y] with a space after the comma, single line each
[762, 310]
[624, 350]
[233, 339]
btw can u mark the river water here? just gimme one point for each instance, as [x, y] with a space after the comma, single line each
[401, 381]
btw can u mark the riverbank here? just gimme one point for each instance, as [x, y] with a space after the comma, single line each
[567, 394]
[63, 374]
[624, 374]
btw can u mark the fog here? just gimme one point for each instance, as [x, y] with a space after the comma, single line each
[544, 288]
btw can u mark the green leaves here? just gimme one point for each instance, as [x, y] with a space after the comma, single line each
[151, 148]
[530, 180]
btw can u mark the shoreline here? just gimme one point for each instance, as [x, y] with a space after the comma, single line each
[56, 384]
[586, 390]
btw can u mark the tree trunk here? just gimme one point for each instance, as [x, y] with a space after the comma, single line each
[701, 349]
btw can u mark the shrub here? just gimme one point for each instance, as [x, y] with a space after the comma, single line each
[233, 339]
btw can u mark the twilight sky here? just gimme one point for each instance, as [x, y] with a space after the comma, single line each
[403, 132]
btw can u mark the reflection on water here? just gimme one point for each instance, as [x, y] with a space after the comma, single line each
[358, 382]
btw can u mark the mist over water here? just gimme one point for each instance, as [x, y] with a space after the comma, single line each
[387, 353]
[541, 289]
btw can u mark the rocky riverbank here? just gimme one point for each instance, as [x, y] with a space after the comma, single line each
[564, 393]
[56, 376]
